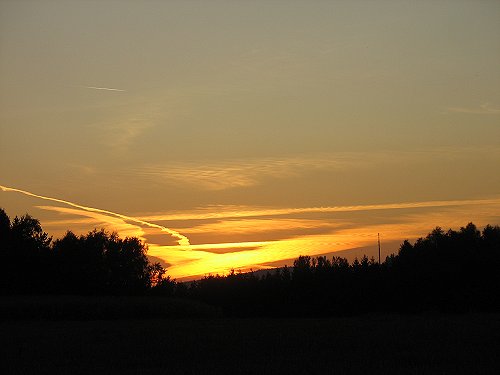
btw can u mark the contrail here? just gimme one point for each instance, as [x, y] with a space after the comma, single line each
[182, 240]
[102, 88]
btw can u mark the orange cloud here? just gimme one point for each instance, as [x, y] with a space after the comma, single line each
[225, 212]
[204, 259]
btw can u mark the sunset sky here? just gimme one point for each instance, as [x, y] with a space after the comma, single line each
[242, 134]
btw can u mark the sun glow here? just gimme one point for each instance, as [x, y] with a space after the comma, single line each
[202, 260]
[274, 236]
[199, 262]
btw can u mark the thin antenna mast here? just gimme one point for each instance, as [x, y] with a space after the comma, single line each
[378, 236]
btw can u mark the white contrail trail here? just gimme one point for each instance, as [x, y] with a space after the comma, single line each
[103, 88]
[182, 240]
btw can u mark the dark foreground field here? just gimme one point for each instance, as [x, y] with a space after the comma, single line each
[376, 344]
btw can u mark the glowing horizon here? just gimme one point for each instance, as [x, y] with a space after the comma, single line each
[187, 260]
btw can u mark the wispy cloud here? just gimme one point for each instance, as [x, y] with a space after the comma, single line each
[122, 133]
[236, 173]
[103, 88]
[226, 212]
[208, 258]
[255, 229]
[483, 109]
[243, 226]
[124, 127]
[243, 173]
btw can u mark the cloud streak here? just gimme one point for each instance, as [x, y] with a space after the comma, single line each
[245, 173]
[103, 88]
[239, 212]
[242, 173]
[243, 226]
[207, 258]
[181, 239]
[484, 109]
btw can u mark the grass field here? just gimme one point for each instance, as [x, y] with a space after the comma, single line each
[375, 344]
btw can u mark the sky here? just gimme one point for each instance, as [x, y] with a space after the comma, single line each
[238, 134]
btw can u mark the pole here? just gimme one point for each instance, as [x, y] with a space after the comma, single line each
[378, 237]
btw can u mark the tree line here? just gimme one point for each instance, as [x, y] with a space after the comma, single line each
[96, 263]
[453, 271]
[445, 270]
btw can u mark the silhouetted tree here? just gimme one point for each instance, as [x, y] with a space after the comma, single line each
[103, 262]
[28, 237]
[25, 264]
[302, 268]
[4, 229]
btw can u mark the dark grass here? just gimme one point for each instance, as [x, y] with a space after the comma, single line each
[47, 307]
[371, 344]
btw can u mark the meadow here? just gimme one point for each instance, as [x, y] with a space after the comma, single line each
[426, 343]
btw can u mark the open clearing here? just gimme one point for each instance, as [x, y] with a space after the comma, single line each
[373, 344]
